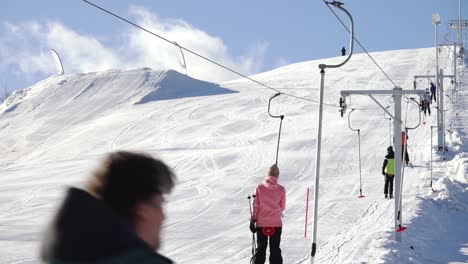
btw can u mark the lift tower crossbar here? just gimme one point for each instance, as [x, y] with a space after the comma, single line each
[440, 106]
[397, 93]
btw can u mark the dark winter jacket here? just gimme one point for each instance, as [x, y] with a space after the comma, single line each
[85, 230]
[433, 88]
[390, 155]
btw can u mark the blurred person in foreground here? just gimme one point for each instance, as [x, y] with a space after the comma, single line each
[116, 218]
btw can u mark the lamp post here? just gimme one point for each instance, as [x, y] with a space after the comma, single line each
[440, 135]
[459, 31]
[436, 22]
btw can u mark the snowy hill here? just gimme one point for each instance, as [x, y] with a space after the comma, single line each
[220, 140]
[133, 87]
[62, 105]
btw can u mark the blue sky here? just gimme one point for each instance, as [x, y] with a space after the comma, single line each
[250, 36]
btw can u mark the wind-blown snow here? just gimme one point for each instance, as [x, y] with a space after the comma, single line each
[220, 141]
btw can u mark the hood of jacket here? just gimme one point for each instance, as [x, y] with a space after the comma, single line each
[390, 155]
[270, 181]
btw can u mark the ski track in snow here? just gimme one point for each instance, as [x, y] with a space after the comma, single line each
[146, 119]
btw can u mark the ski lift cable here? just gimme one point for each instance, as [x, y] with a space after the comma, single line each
[359, 143]
[214, 62]
[281, 117]
[403, 160]
[184, 65]
[362, 47]
[389, 127]
[203, 57]
[411, 99]
[181, 47]
[406, 112]
[400, 227]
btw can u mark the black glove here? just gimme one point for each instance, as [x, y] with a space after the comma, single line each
[383, 173]
[252, 226]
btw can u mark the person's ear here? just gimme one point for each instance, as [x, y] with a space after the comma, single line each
[141, 211]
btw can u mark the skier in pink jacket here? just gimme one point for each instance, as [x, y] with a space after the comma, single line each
[269, 204]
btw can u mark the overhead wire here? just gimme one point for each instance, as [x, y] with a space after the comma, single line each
[362, 47]
[368, 54]
[205, 58]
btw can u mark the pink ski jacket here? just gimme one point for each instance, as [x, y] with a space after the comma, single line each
[269, 203]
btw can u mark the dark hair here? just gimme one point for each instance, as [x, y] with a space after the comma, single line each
[125, 179]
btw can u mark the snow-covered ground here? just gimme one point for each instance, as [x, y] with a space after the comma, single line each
[220, 141]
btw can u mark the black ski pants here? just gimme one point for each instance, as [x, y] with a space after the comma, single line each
[262, 243]
[389, 184]
[426, 107]
[433, 96]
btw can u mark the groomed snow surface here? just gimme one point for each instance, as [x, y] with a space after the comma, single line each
[220, 141]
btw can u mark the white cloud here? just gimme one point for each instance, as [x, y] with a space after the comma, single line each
[27, 45]
[81, 53]
[157, 53]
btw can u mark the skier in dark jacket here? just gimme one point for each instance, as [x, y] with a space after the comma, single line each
[433, 92]
[388, 170]
[117, 218]
[343, 51]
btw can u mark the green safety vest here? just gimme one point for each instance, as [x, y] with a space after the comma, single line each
[390, 168]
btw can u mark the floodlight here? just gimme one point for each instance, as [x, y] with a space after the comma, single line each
[436, 18]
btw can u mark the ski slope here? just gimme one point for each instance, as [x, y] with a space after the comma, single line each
[220, 141]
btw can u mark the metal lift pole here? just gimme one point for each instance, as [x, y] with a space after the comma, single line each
[319, 131]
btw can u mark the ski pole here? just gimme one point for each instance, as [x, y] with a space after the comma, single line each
[251, 218]
[307, 214]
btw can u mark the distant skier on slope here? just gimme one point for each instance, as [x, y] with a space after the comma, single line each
[343, 51]
[426, 101]
[388, 170]
[269, 203]
[433, 92]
